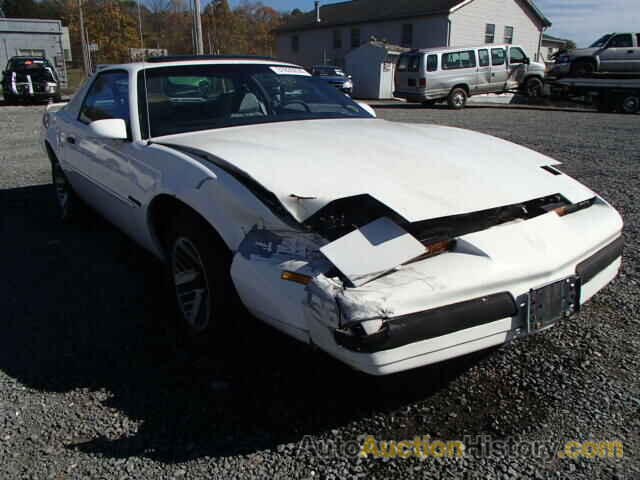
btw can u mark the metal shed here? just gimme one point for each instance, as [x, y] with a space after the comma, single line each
[372, 66]
[35, 37]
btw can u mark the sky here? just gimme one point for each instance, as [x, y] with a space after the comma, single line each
[583, 21]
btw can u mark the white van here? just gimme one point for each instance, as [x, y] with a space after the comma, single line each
[456, 73]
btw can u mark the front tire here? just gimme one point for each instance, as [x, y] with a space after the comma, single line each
[70, 206]
[630, 103]
[534, 87]
[583, 68]
[457, 99]
[199, 266]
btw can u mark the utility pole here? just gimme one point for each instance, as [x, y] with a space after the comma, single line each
[83, 40]
[197, 27]
[140, 25]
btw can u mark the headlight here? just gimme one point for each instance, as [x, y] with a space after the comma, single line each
[347, 84]
[51, 88]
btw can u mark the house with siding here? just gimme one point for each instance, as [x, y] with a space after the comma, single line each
[328, 32]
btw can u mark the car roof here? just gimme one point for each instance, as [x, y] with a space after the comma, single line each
[198, 60]
[460, 47]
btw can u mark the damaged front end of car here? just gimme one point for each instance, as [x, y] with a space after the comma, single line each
[370, 282]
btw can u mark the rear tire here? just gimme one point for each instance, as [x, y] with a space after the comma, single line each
[199, 265]
[457, 99]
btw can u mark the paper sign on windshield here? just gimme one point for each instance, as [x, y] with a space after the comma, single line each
[290, 71]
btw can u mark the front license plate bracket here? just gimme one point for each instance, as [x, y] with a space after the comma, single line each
[549, 304]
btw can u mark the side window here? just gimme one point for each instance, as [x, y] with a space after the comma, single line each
[107, 98]
[621, 41]
[403, 63]
[483, 58]
[638, 39]
[295, 43]
[453, 60]
[414, 63]
[432, 63]
[497, 56]
[516, 55]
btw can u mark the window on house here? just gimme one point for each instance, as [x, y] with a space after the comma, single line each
[497, 56]
[490, 33]
[407, 35]
[432, 63]
[337, 39]
[483, 58]
[295, 43]
[621, 41]
[355, 37]
[508, 35]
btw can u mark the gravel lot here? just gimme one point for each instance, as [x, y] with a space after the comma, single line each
[91, 387]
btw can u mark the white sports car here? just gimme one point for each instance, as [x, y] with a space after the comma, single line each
[387, 245]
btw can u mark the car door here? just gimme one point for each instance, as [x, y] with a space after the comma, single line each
[499, 72]
[619, 54]
[483, 78]
[102, 164]
[517, 67]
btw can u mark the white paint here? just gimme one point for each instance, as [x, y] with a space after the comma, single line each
[372, 250]
[419, 171]
[112, 128]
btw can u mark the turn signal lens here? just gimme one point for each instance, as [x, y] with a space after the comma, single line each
[296, 277]
[562, 211]
[439, 247]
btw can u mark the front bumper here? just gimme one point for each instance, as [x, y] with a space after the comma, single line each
[560, 69]
[473, 297]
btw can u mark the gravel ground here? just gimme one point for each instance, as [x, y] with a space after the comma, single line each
[90, 386]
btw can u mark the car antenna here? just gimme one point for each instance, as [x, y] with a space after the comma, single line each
[144, 77]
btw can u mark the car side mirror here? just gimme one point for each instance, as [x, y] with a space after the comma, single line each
[111, 128]
[527, 61]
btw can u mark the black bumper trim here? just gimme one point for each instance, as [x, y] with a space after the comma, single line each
[597, 262]
[428, 324]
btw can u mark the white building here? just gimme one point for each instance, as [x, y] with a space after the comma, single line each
[328, 33]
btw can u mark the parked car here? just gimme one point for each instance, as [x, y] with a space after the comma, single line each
[335, 76]
[390, 246]
[30, 79]
[612, 53]
[453, 74]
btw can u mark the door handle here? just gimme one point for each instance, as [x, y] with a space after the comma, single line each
[629, 51]
[71, 140]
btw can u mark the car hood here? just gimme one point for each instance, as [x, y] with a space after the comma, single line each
[419, 171]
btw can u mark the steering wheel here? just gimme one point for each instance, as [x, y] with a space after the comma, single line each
[290, 102]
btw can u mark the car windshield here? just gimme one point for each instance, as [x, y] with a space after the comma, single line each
[202, 97]
[328, 71]
[601, 42]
